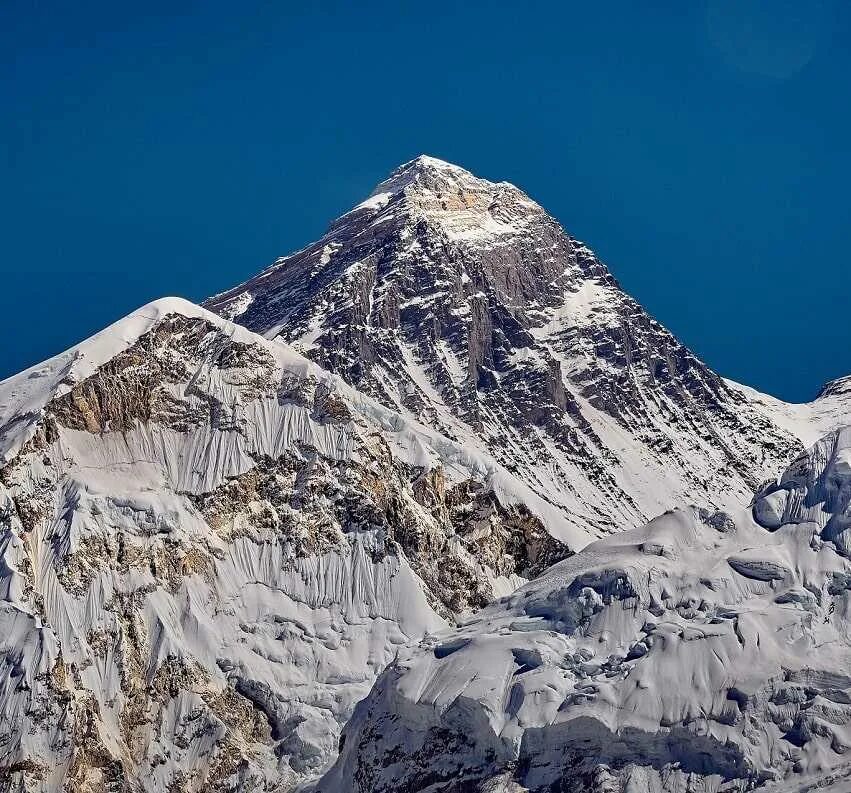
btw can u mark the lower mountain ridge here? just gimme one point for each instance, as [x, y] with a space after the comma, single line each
[210, 548]
[703, 652]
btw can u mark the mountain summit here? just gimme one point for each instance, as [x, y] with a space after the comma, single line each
[461, 303]
[463, 205]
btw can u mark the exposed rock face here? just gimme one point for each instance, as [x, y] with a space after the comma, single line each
[134, 386]
[461, 303]
[702, 652]
[210, 548]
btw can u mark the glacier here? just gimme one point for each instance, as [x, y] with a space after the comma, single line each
[703, 651]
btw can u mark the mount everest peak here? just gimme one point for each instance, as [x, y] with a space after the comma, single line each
[462, 304]
[380, 459]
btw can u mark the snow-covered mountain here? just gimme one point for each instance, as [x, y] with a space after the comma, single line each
[211, 545]
[703, 652]
[461, 303]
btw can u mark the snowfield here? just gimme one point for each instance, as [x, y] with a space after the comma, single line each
[701, 652]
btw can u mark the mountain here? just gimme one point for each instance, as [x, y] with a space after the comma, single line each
[462, 304]
[218, 529]
[210, 547]
[703, 652]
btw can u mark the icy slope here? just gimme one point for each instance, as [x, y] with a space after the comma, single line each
[461, 303]
[209, 548]
[809, 421]
[702, 652]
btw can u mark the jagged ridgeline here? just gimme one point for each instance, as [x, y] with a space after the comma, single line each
[219, 527]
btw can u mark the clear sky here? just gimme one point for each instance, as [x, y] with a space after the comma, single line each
[701, 148]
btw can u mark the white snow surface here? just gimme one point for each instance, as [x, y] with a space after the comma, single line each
[23, 397]
[700, 652]
[807, 421]
[205, 610]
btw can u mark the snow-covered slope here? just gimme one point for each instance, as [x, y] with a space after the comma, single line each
[703, 652]
[809, 421]
[460, 302]
[209, 548]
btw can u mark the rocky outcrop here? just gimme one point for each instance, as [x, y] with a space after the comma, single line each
[138, 384]
[211, 547]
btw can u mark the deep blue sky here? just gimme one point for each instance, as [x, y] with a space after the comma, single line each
[702, 149]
